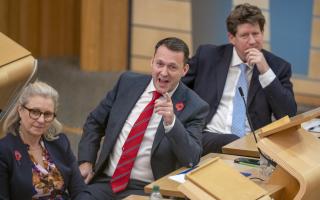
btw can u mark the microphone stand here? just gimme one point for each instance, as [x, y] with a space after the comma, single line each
[271, 162]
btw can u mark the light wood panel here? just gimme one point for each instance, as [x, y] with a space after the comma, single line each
[4, 15]
[266, 34]
[306, 86]
[314, 66]
[315, 34]
[60, 32]
[307, 99]
[90, 34]
[141, 65]
[295, 151]
[263, 4]
[46, 28]
[153, 21]
[163, 13]
[104, 39]
[316, 7]
[29, 28]
[142, 45]
[114, 44]
[266, 45]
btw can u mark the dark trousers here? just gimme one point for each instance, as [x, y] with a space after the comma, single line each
[100, 189]
[213, 142]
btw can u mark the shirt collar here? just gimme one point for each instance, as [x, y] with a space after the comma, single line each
[236, 60]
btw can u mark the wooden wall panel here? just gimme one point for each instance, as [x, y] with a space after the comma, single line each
[29, 29]
[144, 46]
[141, 64]
[59, 27]
[316, 7]
[314, 69]
[153, 21]
[315, 37]
[114, 52]
[90, 29]
[104, 39]
[4, 4]
[266, 34]
[46, 28]
[263, 4]
[307, 88]
[163, 13]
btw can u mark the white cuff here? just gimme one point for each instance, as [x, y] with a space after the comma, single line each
[168, 128]
[266, 78]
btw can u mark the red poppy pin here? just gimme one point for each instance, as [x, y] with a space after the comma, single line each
[179, 106]
[17, 155]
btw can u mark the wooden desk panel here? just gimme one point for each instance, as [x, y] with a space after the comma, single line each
[245, 146]
[136, 197]
[169, 187]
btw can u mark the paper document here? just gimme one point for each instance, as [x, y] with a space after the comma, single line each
[312, 125]
[180, 178]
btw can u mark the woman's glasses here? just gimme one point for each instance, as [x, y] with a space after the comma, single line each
[36, 113]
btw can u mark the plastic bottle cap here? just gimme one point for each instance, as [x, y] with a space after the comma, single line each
[155, 188]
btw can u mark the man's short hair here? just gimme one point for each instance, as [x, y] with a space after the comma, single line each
[242, 14]
[174, 44]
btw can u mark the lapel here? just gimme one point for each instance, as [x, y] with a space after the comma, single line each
[178, 101]
[125, 102]
[24, 165]
[222, 69]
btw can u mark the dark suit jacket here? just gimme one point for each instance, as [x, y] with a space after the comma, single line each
[16, 175]
[207, 77]
[179, 147]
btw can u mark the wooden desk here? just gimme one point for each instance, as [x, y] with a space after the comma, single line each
[169, 187]
[136, 197]
[245, 146]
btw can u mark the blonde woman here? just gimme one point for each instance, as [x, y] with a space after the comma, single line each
[36, 162]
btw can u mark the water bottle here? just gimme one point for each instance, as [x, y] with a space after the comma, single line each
[265, 167]
[155, 194]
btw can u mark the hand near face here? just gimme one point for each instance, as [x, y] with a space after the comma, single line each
[164, 107]
[255, 57]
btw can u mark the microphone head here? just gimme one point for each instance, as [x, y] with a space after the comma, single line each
[241, 91]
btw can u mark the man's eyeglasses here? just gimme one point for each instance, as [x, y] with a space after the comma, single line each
[35, 114]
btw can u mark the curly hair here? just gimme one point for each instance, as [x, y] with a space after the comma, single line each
[242, 14]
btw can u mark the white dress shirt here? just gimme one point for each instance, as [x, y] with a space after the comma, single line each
[221, 122]
[142, 166]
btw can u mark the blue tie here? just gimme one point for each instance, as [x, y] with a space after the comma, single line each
[239, 111]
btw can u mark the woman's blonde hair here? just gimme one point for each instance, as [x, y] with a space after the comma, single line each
[38, 88]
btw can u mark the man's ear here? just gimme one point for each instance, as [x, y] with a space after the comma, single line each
[185, 69]
[231, 38]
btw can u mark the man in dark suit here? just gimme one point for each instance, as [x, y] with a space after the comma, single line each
[216, 73]
[172, 137]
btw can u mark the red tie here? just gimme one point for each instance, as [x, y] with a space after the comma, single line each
[121, 175]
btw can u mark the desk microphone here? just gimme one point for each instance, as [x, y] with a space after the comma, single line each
[252, 129]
